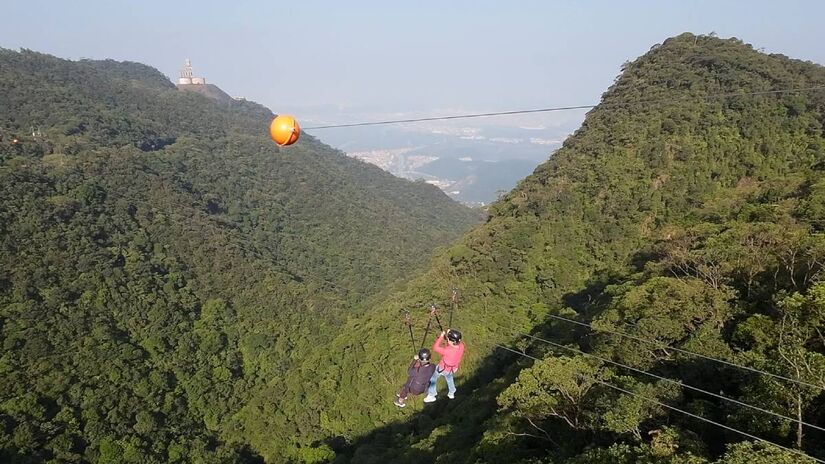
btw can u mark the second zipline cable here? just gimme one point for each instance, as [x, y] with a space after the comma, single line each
[681, 411]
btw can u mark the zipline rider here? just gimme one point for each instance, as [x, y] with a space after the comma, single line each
[451, 355]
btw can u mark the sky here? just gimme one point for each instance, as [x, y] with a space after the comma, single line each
[401, 57]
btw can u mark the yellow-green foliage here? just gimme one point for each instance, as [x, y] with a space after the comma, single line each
[671, 214]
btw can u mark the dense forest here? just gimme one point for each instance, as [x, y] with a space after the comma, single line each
[165, 268]
[176, 289]
[688, 210]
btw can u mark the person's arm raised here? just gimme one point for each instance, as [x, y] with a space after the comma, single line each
[437, 345]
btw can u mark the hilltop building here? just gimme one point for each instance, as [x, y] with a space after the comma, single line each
[187, 75]
[187, 82]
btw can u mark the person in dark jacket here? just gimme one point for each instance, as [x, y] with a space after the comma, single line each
[418, 377]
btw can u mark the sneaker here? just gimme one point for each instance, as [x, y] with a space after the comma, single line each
[399, 403]
[451, 395]
[429, 399]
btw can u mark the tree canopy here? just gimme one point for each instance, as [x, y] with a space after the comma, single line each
[178, 289]
[165, 269]
[685, 211]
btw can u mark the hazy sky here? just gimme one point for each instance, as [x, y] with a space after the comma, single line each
[400, 56]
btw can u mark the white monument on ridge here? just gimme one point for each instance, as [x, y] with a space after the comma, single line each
[187, 75]
[187, 82]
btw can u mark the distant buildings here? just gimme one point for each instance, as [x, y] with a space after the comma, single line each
[187, 75]
[189, 83]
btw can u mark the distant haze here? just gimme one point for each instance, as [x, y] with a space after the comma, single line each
[398, 57]
[344, 62]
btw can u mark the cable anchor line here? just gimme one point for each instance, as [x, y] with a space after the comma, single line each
[565, 108]
[675, 382]
[691, 353]
[681, 411]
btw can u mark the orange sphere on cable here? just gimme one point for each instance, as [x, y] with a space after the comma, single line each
[284, 130]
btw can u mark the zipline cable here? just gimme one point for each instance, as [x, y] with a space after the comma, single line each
[675, 382]
[691, 353]
[672, 408]
[562, 108]
[458, 116]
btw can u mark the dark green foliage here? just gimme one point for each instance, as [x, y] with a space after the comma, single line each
[673, 215]
[166, 272]
[145, 271]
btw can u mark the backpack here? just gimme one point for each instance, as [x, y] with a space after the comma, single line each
[420, 379]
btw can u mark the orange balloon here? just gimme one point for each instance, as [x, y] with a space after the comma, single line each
[284, 130]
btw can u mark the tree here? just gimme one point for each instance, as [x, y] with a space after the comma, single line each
[555, 387]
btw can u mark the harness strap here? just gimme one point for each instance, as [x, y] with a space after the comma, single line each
[427, 330]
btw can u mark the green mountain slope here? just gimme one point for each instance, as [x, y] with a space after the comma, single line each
[674, 214]
[165, 268]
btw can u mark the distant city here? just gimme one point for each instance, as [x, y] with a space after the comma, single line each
[472, 163]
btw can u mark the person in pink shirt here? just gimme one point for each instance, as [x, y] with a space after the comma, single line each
[450, 359]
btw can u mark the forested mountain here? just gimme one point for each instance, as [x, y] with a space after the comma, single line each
[687, 210]
[174, 288]
[165, 269]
